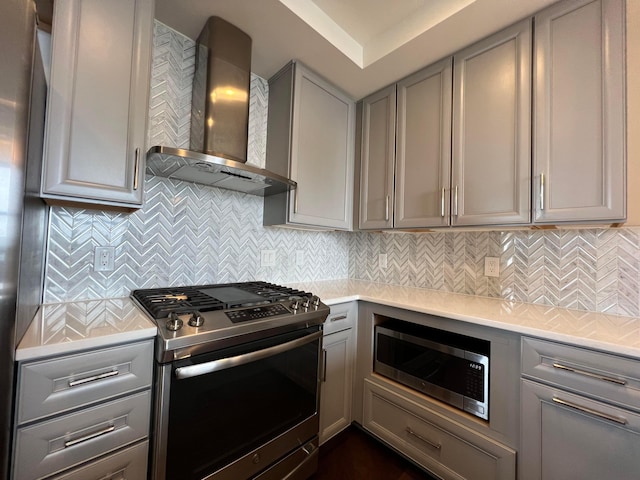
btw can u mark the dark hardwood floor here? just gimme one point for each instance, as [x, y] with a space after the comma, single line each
[355, 455]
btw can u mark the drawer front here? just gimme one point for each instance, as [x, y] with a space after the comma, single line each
[61, 384]
[442, 446]
[342, 317]
[127, 464]
[600, 375]
[64, 442]
[568, 436]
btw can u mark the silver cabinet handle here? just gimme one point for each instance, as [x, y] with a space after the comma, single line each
[542, 191]
[295, 201]
[338, 318]
[386, 209]
[437, 446]
[455, 201]
[99, 433]
[442, 203]
[589, 374]
[591, 411]
[93, 378]
[136, 169]
[224, 363]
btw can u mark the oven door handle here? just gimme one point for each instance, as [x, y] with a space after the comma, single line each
[224, 363]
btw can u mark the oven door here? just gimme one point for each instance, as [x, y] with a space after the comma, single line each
[234, 412]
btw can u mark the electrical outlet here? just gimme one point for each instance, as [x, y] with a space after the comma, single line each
[103, 259]
[382, 260]
[491, 267]
[267, 258]
[299, 258]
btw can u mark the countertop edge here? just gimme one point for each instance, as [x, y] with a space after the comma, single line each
[543, 333]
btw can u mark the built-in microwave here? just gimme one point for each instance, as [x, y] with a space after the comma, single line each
[451, 367]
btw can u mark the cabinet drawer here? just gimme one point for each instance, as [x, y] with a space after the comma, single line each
[567, 436]
[342, 316]
[70, 440]
[600, 375]
[130, 463]
[441, 445]
[62, 384]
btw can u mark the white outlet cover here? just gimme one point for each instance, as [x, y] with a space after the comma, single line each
[491, 266]
[104, 259]
[299, 258]
[382, 260]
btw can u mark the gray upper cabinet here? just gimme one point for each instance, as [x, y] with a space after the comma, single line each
[423, 148]
[310, 139]
[579, 98]
[378, 159]
[98, 102]
[406, 152]
[491, 162]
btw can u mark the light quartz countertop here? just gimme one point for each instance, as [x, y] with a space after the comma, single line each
[64, 328]
[611, 333]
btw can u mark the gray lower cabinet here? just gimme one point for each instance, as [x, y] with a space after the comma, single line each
[85, 415]
[579, 110]
[406, 152]
[491, 164]
[580, 413]
[444, 447]
[336, 390]
[310, 139]
[97, 102]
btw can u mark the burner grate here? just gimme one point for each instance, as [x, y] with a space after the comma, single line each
[159, 302]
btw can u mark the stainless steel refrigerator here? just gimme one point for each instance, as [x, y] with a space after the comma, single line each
[23, 216]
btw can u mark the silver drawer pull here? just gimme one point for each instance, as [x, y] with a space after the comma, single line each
[437, 446]
[99, 433]
[93, 378]
[338, 318]
[604, 378]
[605, 416]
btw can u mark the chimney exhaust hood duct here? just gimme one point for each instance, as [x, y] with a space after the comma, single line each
[219, 120]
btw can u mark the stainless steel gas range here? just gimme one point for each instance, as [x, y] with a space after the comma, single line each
[238, 381]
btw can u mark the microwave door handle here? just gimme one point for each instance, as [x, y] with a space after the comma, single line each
[224, 363]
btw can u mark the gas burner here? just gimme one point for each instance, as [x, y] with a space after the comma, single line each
[202, 318]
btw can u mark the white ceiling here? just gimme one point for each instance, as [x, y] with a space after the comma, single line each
[360, 45]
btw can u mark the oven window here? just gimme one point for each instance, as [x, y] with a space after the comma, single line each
[218, 417]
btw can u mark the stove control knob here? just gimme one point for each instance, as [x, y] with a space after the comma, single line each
[306, 302]
[196, 319]
[174, 323]
[315, 301]
[295, 305]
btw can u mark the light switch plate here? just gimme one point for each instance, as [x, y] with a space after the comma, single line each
[267, 258]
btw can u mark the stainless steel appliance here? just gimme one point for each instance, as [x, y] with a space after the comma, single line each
[23, 216]
[449, 366]
[238, 379]
[217, 152]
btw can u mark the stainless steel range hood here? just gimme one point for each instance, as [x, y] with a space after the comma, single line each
[219, 120]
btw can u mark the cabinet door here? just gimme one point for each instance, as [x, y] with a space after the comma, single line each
[322, 149]
[492, 130]
[97, 104]
[423, 148]
[378, 159]
[336, 389]
[566, 436]
[579, 149]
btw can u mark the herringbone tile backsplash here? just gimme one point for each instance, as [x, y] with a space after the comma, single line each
[192, 234]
